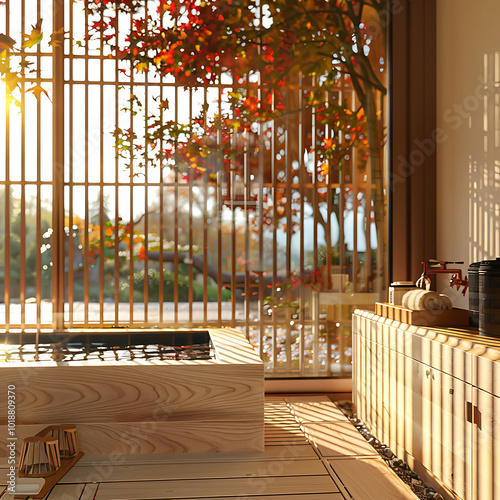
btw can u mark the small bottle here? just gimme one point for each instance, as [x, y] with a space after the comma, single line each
[398, 289]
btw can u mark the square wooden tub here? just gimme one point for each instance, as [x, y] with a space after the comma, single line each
[139, 406]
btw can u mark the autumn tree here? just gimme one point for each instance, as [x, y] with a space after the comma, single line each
[283, 58]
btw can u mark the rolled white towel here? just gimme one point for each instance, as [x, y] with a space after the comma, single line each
[446, 301]
[422, 300]
[406, 298]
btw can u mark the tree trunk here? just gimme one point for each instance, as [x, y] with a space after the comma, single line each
[379, 207]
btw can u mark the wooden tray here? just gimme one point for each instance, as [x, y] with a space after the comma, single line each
[51, 481]
[447, 317]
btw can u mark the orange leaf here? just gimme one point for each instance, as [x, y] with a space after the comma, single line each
[35, 37]
[6, 42]
[57, 37]
[37, 91]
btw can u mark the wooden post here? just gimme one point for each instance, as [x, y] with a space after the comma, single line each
[58, 173]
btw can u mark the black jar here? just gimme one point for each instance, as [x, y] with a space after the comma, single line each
[473, 273]
[489, 298]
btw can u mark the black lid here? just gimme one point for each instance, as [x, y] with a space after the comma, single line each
[475, 264]
[490, 265]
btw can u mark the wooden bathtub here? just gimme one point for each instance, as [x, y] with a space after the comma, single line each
[154, 406]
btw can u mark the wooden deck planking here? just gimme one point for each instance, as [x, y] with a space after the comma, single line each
[288, 468]
[66, 492]
[210, 488]
[339, 439]
[312, 496]
[206, 470]
[89, 492]
[317, 412]
[302, 451]
[286, 441]
[371, 479]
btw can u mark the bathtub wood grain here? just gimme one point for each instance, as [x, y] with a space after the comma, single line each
[132, 392]
[146, 406]
[164, 437]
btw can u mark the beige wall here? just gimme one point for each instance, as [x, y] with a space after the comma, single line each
[468, 110]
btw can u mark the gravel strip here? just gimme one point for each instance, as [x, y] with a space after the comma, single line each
[400, 467]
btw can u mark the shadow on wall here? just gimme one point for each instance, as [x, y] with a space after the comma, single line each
[484, 172]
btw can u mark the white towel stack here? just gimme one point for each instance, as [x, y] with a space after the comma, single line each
[425, 300]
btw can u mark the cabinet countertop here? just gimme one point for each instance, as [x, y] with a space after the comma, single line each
[465, 338]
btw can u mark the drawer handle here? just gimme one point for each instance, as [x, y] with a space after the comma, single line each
[469, 411]
[477, 417]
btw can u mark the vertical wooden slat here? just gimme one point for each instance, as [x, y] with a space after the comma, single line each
[131, 202]
[329, 207]
[220, 180]
[101, 187]
[355, 205]
[302, 181]
[58, 173]
[316, 215]
[131, 250]
[176, 220]
[38, 230]
[7, 192]
[248, 261]
[342, 194]
[117, 206]
[162, 236]
[328, 229]
[288, 127]
[261, 159]
[22, 229]
[190, 216]
[232, 184]
[274, 174]
[368, 221]
[146, 204]
[86, 260]
[190, 250]
[146, 192]
[205, 235]
[262, 270]
[71, 223]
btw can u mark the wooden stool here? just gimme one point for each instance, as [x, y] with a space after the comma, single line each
[50, 454]
[66, 435]
[39, 457]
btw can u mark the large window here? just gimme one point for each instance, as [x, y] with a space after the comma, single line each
[178, 163]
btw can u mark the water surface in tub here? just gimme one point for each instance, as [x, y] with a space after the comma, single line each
[112, 347]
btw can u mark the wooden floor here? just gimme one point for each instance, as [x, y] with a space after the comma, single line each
[312, 453]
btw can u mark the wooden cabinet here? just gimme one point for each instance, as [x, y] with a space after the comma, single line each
[432, 395]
